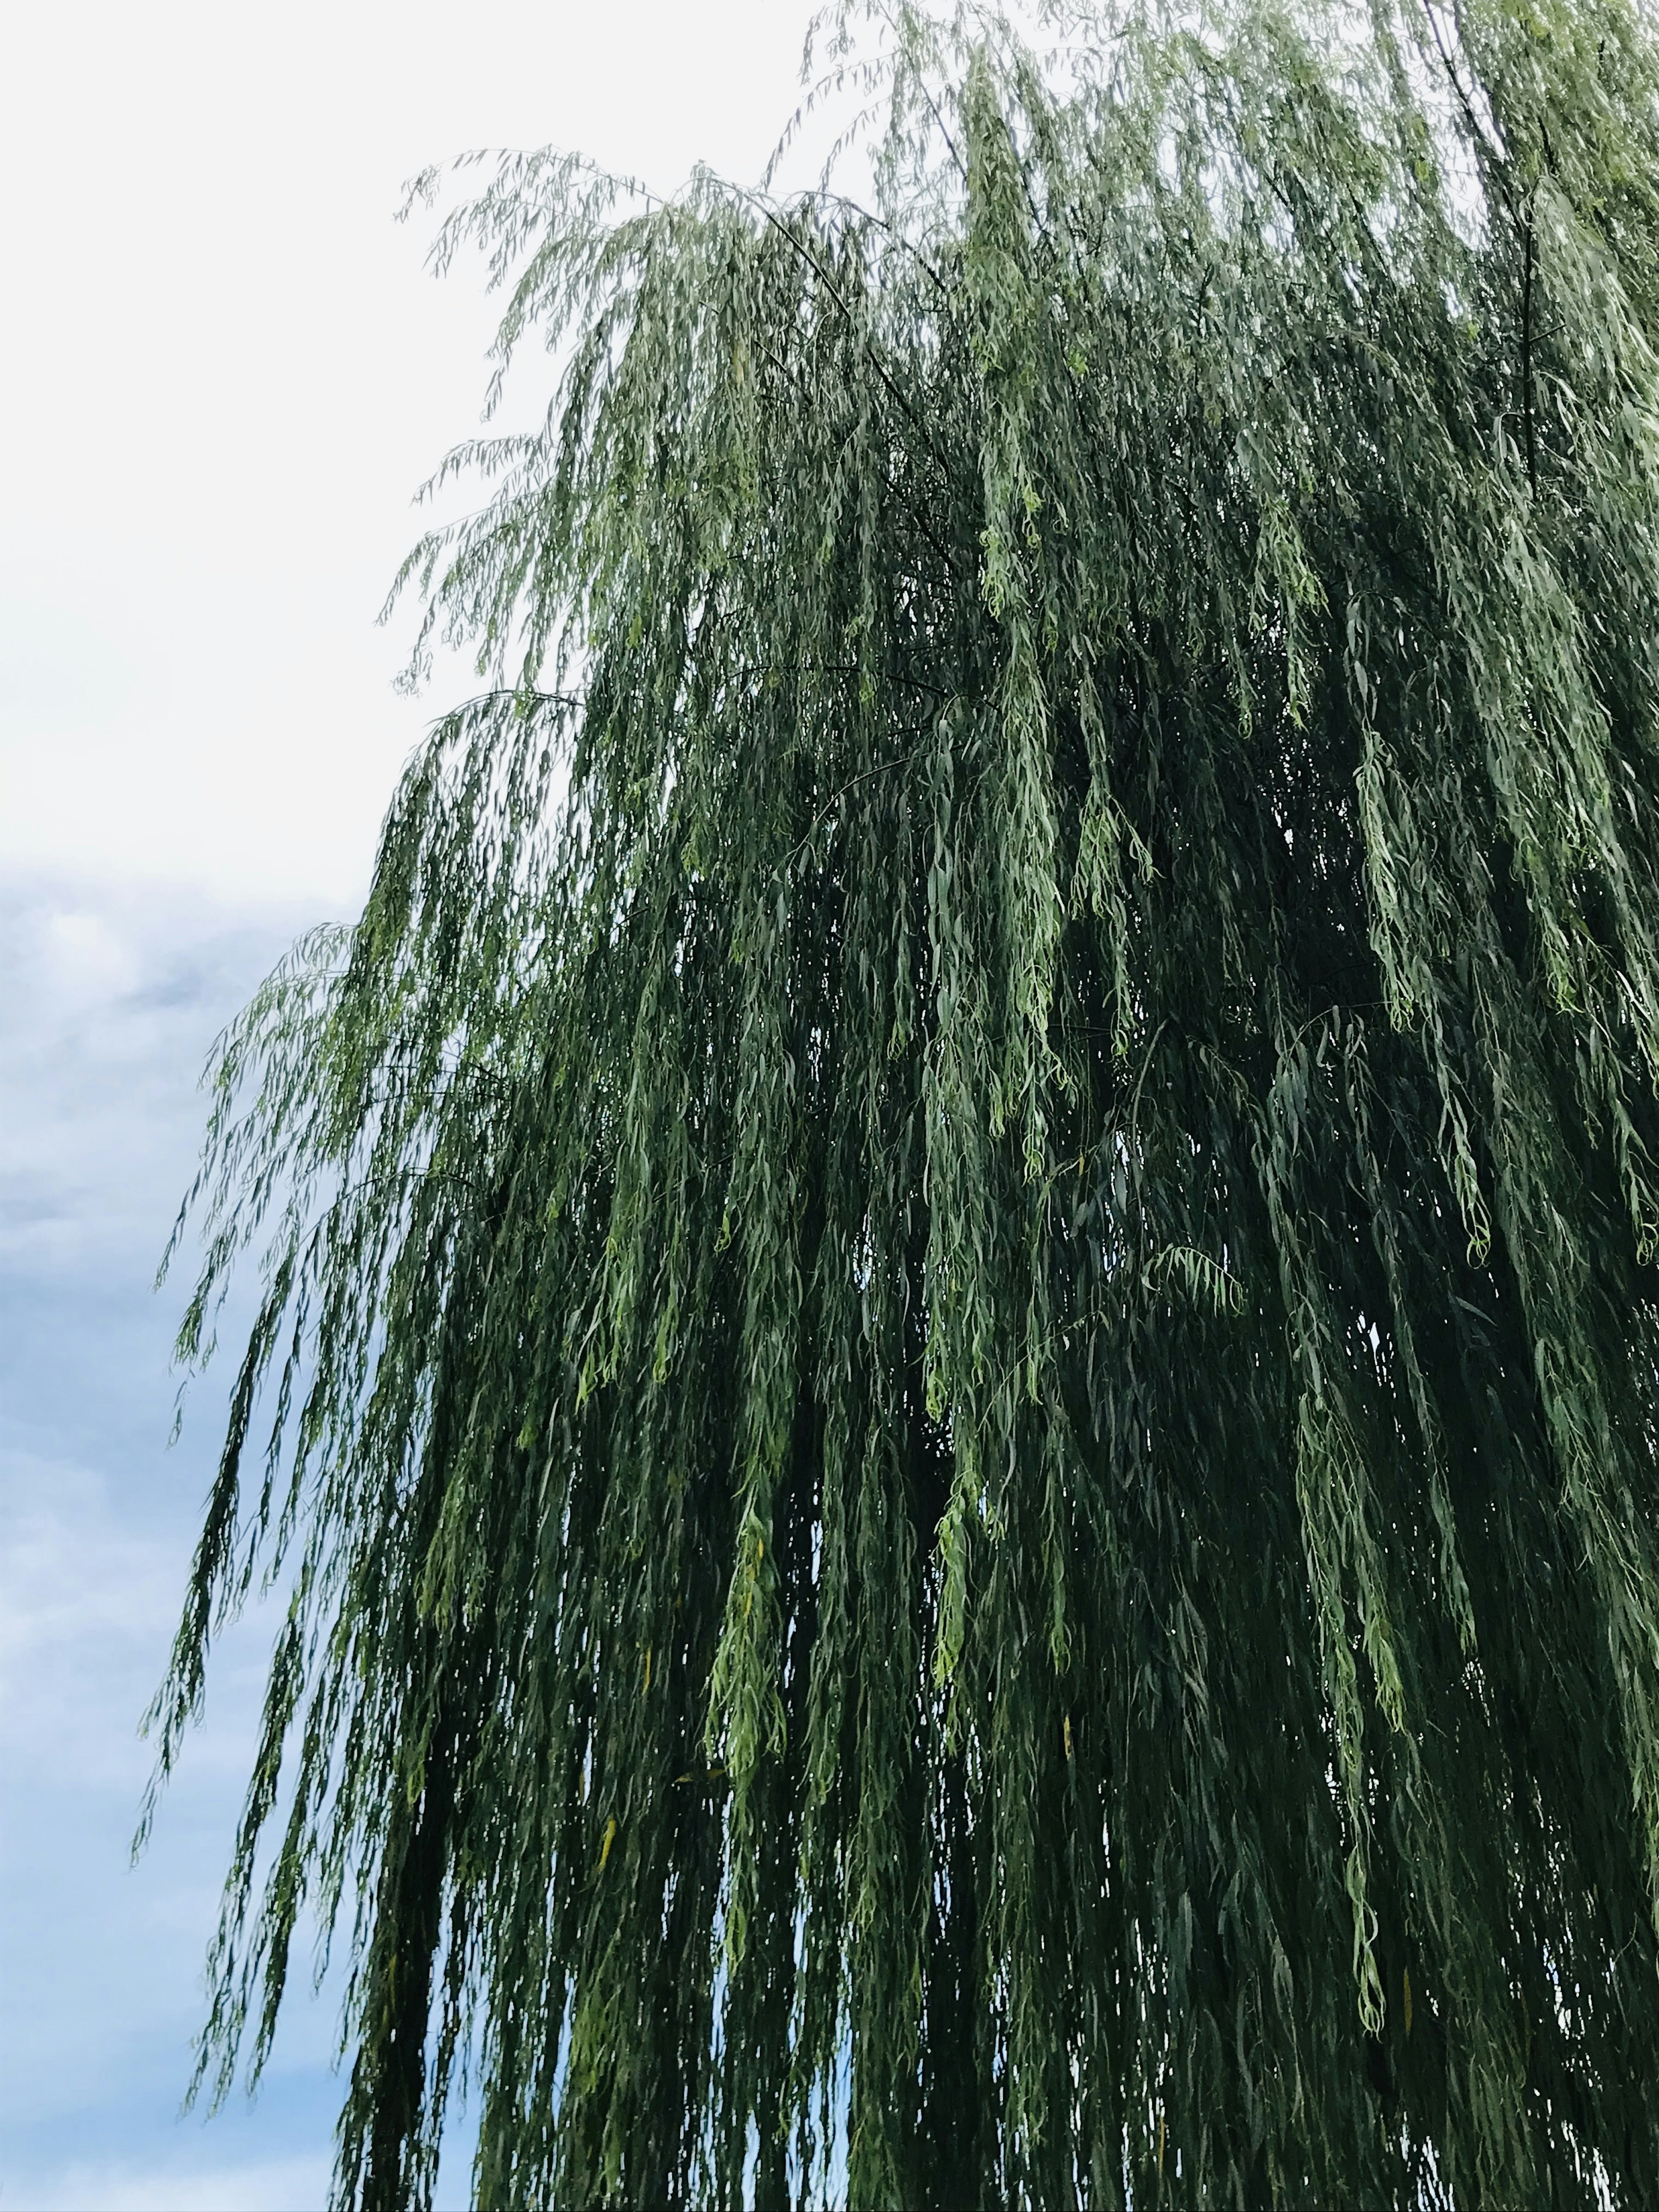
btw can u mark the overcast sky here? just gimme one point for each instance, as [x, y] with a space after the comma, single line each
[225, 372]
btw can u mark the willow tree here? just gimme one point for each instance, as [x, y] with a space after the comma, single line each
[958, 1378]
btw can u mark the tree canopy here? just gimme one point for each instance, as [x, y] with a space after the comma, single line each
[958, 1378]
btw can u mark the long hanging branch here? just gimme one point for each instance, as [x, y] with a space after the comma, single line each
[957, 1394]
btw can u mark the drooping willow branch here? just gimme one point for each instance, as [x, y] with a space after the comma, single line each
[970, 1516]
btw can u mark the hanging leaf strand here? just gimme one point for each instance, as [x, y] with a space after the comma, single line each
[957, 1384]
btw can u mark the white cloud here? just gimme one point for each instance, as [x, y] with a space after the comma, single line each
[89, 958]
[226, 372]
[293, 2185]
[110, 1003]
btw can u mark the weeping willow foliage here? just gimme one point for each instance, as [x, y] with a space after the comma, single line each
[957, 1377]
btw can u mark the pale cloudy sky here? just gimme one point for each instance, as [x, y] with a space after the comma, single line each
[223, 373]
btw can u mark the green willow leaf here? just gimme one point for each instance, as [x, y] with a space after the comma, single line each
[957, 1386]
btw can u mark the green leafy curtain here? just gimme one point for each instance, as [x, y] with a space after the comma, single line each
[958, 1369]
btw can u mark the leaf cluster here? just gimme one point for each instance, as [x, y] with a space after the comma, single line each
[960, 1332]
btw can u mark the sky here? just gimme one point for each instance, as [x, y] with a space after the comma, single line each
[225, 373]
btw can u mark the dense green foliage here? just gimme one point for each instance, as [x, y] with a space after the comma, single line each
[959, 1272]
